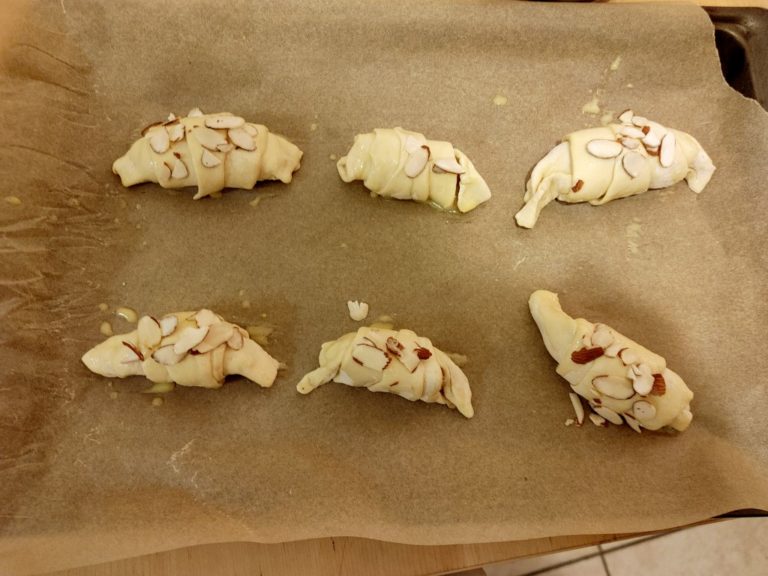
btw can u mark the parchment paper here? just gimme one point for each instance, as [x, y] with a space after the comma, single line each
[91, 471]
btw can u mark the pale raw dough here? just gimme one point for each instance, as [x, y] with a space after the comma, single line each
[570, 173]
[394, 361]
[236, 157]
[186, 348]
[619, 378]
[401, 164]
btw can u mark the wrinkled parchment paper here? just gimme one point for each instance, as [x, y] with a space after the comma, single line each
[90, 470]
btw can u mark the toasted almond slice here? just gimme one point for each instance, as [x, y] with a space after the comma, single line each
[194, 113]
[205, 317]
[667, 149]
[171, 117]
[166, 356]
[651, 140]
[226, 147]
[597, 420]
[609, 415]
[409, 358]
[577, 407]
[659, 385]
[370, 357]
[393, 346]
[208, 138]
[159, 140]
[417, 161]
[149, 127]
[628, 356]
[632, 422]
[168, 325]
[412, 144]
[218, 334]
[643, 410]
[630, 143]
[358, 311]
[626, 117]
[639, 121]
[613, 350]
[224, 122]
[242, 139]
[586, 355]
[605, 149]
[602, 336]
[642, 379]
[449, 165]
[176, 132]
[251, 129]
[209, 160]
[149, 331]
[133, 354]
[236, 341]
[631, 132]
[189, 338]
[633, 163]
[614, 387]
[344, 378]
[578, 186]
[165, 172]
[179, 169]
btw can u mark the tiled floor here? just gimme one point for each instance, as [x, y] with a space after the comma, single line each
[732, 547]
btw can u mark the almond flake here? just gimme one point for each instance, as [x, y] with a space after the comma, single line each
[667, 150]
[632, 422]
[189, 338]
[449, 165]
[417, 161]
[628, 356]
[651, 140]
[194, 113]
[659, 385]
[149, 332]
[226, 147]
[217, 335]
[208, 138]
[237, 340]
[604, 149]
[179, 169]
[626, 116]
[209, 160]
[159, 140]
[578, 186]
[344, 378]
[642, 379]
[631, 132]
[358, 311]
[613, 350]
[224, 121]
[586, 355]
[168, 325]
[639, 121]
[597, 420]
[171, 117]
[643, 410]
[136, 353]
[251, 129]
[393, 346]
[630, 143]
[176, 132]
[422, 353]
[370, 357]
[602, 336]
[633, 163]
[577, 407]
[409, 359]
[167, 356]
[412, 144]
[165, 172]
[614, 387]
[570, 422]
[149, 127]
[205, 317]
[242, 139]
[609, 415]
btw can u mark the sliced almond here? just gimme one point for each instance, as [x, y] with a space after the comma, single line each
[639, 121]
[179, 169]
[165, 172]
[251, 129]
[570, 422]
[449, 165]
[578, 186]
[224, 122]
[651, 140]
[194, 113]
[176, 132]
[628, 356]
[613, 350]
[630, 143]
[134, 355]
[149, 127]
[586, 355]
[417, 161]
[409, 358]
[370, 357]
[189, 338]
[393, 346]
[217, 364]
[358, 311]
[626, 116]
[631, 132]
[205, 317]
[217, 335]
[642, 379]
[412, 144]
[633, 163]
[614, 387]
[159, 140]
[149, 331]
[605, 149]
[609, 415]
[167, 356]
[422, 353]
[242, 139]
[237, 340]
[171, 117]
[209, 160]
[632, 422]
[597, 420]
[168, 325]
[643, 410]
[667, 149]
[227, 147]
[208, 138]
[659, 385]
[344, 378]
[602, 336]
[578, 408]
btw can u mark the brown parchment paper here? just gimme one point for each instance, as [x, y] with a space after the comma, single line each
[91, 471]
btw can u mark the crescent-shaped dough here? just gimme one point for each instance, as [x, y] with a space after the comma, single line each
[598, 165]
[401, 164]
[187, 348]
[394, 361]
[619, 378]
[210, 151]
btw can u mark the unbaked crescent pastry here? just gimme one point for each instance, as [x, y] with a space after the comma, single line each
[618, 377]
[210, 151]
[395, 361]
[186, 348]
[625, 158]
[401, 164]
